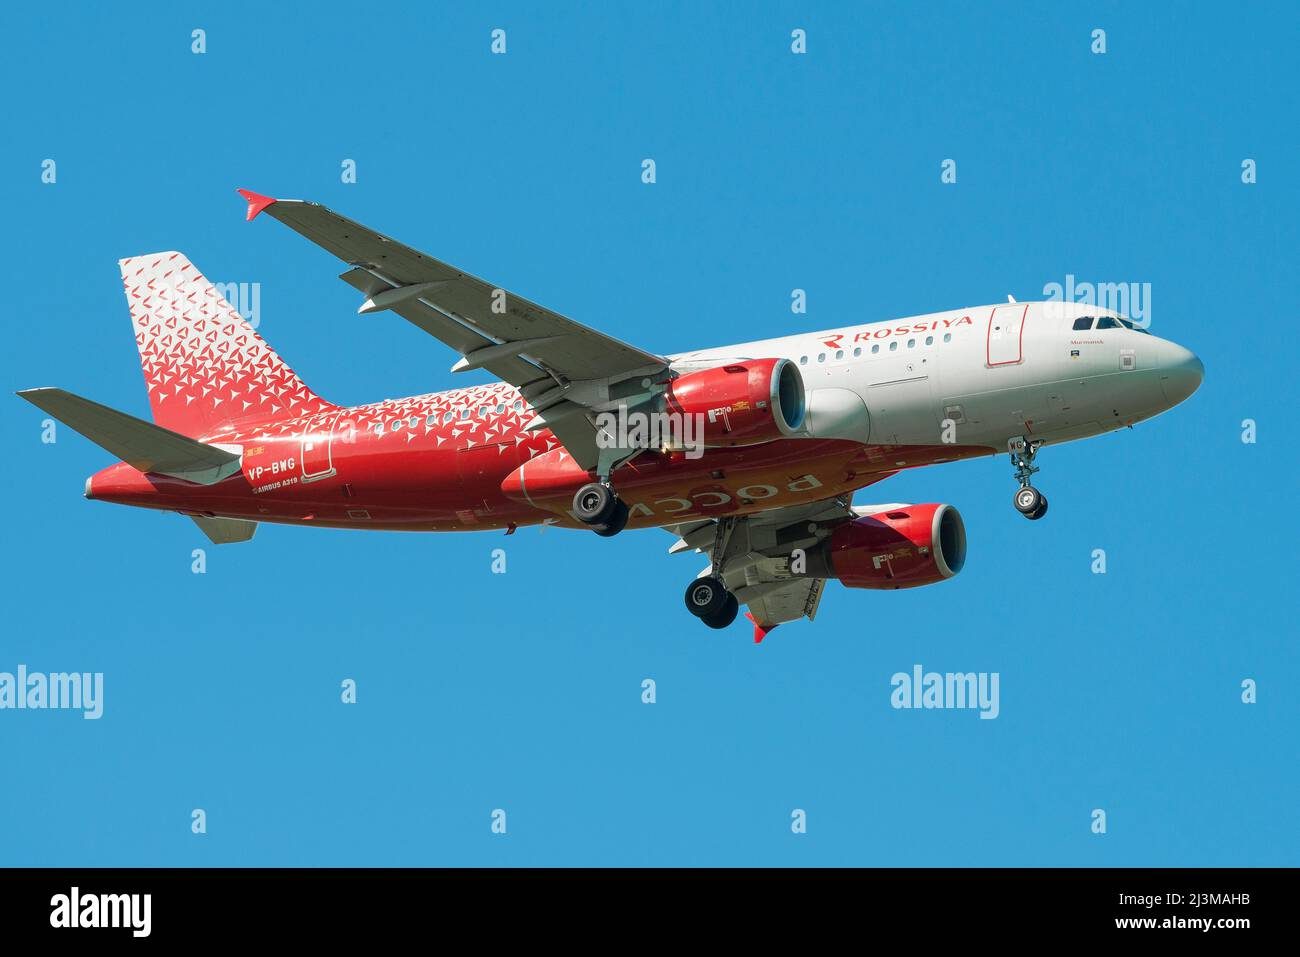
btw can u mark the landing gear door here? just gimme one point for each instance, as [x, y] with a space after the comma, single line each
[1006, 329]
[315, 453]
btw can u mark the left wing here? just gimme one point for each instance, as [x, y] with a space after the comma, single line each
[752, 556]
[566, 371]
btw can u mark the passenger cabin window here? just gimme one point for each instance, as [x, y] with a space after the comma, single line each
[415, 421]
[893, 346]
[857, 351]
[519, 404]
[397, 425]
[929, 340]
[839, 353]
[803, 360]
[379, 428]
[947, 337]
[464, 413]
[821, 357]
[448, 416]
[875, 348]
[911, 343]
[432, 420]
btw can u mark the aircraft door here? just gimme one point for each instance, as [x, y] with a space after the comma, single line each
[1006, 328]
[315, 453]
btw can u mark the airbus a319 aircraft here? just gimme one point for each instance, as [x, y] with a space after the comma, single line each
[765, 445]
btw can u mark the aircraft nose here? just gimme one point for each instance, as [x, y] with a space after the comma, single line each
[1181, 373]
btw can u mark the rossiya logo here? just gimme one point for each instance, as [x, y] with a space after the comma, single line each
[838, 339]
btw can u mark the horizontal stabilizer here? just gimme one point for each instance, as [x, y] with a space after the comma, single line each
[224, 531]
[140, 444]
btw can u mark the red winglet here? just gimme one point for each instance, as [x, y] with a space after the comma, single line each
[256, 202]
[760, 631]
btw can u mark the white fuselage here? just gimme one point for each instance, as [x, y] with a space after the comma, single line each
[984, 374]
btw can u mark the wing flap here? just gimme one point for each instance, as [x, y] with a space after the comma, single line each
[790, 601]
[461, 337]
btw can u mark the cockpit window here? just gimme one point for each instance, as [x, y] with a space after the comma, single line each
[1107, 322]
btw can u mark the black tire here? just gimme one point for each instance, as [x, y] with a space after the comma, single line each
[616, 523]
[1027, 500]
[726, 615]
[707, 596]
[594, 503]
[1040, 511]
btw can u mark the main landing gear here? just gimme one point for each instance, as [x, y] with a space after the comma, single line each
[1029, 502]
[708, 600]
[597, 506]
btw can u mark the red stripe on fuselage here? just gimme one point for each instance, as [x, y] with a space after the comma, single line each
[441, 470]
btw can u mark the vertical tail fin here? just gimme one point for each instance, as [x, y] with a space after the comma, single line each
[206, 368]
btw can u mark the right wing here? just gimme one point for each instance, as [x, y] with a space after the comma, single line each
[566, 371]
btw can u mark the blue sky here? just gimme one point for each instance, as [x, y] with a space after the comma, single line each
[775, 171]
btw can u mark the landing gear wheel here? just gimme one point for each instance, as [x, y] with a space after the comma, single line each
[706, 597]
[1028, 500]
[726, 615]
[616, 522]
[594, 503]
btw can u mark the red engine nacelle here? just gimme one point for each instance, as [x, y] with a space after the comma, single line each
[741, 403]
[899, 548]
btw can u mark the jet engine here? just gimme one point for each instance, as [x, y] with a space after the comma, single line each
[742, 403]
[901, 547]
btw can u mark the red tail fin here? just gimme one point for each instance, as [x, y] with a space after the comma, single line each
[205, 367]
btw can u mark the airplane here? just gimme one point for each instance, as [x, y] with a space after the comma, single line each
[762, 447]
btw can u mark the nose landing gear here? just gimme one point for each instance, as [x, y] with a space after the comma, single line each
[1029, 502]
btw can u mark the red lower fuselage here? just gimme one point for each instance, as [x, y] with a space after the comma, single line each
[462, 461]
